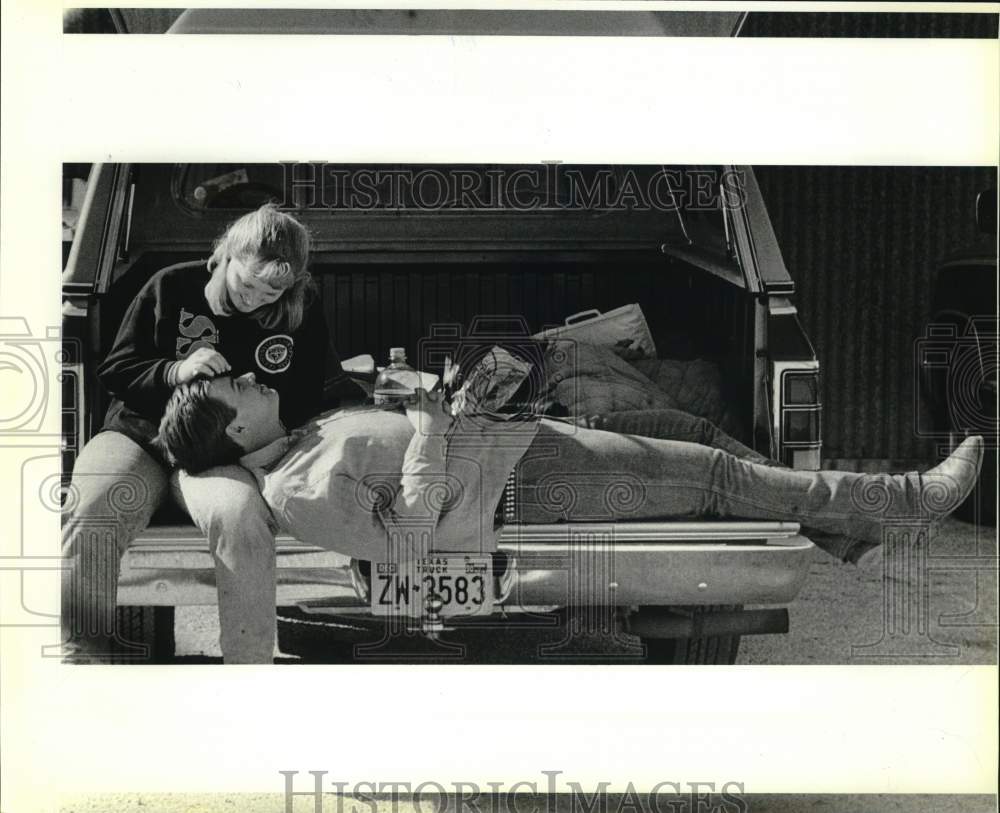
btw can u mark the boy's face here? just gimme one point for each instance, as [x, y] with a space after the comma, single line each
[256, 408]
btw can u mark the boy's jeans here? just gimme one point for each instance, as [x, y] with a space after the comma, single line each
[574, 473]
[671, 424]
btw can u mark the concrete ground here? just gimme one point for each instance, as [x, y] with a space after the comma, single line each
[880, 612]
[900, 609]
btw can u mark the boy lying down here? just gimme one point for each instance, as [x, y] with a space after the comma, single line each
[349, 476]
[352, 479]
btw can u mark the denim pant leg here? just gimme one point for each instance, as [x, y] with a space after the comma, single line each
[672, 424]
[115, 489]
[226, 504]
[573, 473]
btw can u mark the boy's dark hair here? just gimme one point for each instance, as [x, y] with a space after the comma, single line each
[193, 429]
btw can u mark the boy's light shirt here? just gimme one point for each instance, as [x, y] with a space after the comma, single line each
[261, 461]
[347, 478]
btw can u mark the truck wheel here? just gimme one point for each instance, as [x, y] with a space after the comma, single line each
[315, 638]
[713, 649]
[149, 626]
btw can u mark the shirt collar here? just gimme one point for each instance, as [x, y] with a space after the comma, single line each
[268, 455]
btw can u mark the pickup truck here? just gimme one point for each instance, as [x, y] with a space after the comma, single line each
[701, 260]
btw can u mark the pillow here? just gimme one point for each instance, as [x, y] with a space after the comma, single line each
[623, 329]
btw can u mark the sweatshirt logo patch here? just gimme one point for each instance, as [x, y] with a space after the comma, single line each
[274, 354]
[195, 332]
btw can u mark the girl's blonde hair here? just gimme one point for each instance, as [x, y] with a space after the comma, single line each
[275, 246]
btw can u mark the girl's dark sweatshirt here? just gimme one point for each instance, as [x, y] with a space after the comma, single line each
[170, 318]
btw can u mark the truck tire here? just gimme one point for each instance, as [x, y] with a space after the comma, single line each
[713, 649]
[315, 638]
[152, 627]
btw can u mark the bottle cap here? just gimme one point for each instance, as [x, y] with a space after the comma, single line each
[397, 353]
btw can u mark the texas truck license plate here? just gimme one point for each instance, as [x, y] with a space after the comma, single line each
[448, 585]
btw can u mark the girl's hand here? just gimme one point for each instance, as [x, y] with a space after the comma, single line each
[203, 361]
[428, 413]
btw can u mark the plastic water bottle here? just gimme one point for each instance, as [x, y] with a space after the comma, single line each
[396, 382]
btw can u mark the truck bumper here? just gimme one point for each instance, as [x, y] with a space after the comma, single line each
[572, 564]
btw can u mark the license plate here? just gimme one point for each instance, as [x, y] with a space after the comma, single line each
[449, 585]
